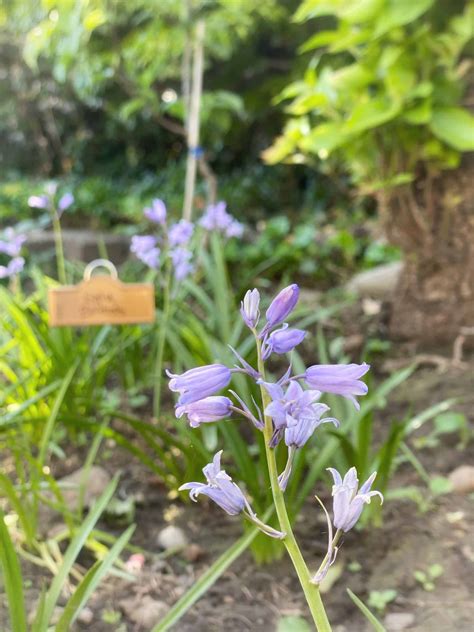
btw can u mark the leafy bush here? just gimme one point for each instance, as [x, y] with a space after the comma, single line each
[384, 90]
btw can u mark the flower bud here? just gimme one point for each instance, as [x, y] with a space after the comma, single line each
[249, 308]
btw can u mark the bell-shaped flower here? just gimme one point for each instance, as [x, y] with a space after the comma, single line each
[65, 201]
[224, 492]
[14, 267]
[144, 248]
[39, 201]
[282, 340]
[180, 233]
[13, 243]
[249, 308]
[181, 259]
[200, 382]
[340, 379]
[207, 410]
[156, 212]
[281, 306]
[300, 428]
[348, 500]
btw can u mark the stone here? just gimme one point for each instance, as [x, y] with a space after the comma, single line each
[144, 611]
[398, 621]
[378, 283]
[172, 537]
[462, 479]
[95, 483]
[85, 616]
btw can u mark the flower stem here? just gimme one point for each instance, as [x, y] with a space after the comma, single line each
[311, 591]
[58, 244]
[160, 349]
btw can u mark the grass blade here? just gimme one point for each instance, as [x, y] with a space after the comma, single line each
[371, 618]
[12, 579]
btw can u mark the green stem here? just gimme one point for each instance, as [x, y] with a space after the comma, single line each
[58, 244]
[160, 349]
[311, 591]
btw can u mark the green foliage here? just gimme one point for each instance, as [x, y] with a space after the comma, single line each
[383, 91]
[371, 618]
[379, 599]
[428, 578]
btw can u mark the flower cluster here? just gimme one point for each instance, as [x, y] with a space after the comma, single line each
[11, 246]
[292, 411]
[216, 217]
[47, 201]
[171, 244]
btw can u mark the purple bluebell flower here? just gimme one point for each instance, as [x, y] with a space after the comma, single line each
[282, 340]
[348, 501]
[181, 259]
[340, 379]
[206, 410]
[156, 212]
[65, 202]
[216, 217]
[12, 244]
[224, 492]
[39, 201]
[219, 487]
[180, 233]
[249, 308]
[281, 306]
[14, 267]
[199, 383]
[144, 248]
[295, 413]
[234, 229]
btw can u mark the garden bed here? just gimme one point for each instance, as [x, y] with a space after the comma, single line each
[247, 597]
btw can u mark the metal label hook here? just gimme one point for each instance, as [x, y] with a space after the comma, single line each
[100, 263]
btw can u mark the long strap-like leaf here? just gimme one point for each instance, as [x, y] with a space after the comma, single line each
[12, 579]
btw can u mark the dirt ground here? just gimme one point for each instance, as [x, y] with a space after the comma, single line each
[248, 597]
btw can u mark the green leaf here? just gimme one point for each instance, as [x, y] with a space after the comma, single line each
[399, 13]
[371, 618]
[450, 422]
[90, 582]
[454, 126]
[293, 624]
[70, 556]
[12, 579]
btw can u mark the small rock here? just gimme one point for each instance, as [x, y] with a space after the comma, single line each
[398, 621]
[193, 552]
[95, 481]
[144, 611]
[462, 479]
[172, 537]
[85, 616]
[379, 282]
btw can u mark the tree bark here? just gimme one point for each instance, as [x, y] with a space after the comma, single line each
[432, 221]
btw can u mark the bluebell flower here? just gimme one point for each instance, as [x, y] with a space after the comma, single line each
[348, 500]
[209, 409]
[224, 492]
[65, 201]
[156, 212]
[219, 487]
[340, 379]
[181, 259]
[13, 243]
[216, 217]
[281, 306]
[180, 233]
[200, 382]
[249, 308]
[39, 201]
[295, 413]
[282, 340]
[144, 248]
[14, 267]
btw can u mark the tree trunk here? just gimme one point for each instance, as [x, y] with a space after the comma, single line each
[432, 220]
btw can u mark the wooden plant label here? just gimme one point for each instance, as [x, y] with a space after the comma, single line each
[101, 300]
